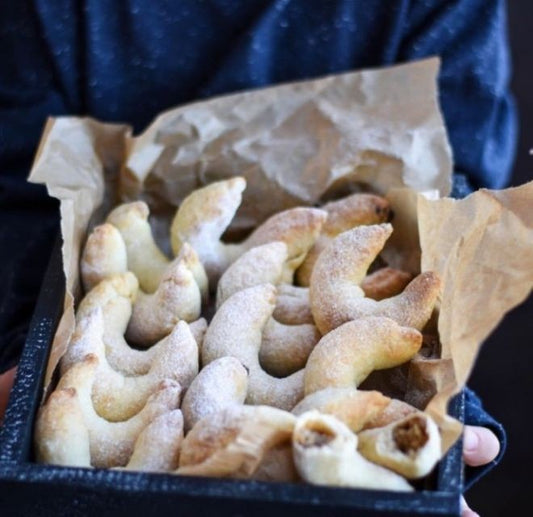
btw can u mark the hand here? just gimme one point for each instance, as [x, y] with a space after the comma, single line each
[480, 446]
[6, 382]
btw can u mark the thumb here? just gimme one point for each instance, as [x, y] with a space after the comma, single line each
[480, 445]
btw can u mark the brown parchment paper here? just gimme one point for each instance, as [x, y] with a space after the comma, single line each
[302, 143]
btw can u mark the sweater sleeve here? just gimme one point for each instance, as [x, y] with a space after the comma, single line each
[475, 414]
[470, 36]
[30, 90]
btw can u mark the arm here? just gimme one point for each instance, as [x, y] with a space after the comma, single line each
[470, 36]
[31, 89]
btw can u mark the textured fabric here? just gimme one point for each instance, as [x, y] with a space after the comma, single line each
[475, 414]
[127, 60]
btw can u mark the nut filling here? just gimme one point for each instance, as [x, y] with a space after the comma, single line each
[315, 437]
[411, 435]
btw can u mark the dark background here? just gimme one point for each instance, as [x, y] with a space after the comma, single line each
[502, 374]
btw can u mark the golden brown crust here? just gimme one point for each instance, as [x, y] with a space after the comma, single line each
[234, 441]
[61, 436]
[222, 383]
[236, 330]
[104, 255]
[297, 227]
[344, 214]
[335, 293]
[145, 258]
[353, 407]
[285, 348]
[345, 357]
[111, 443]
[325, 453]
[117, 397]
[411, 446]
[385, 283]
[177, 297]
[114, 296]
[201, 220]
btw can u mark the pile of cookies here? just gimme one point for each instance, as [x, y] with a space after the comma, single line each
[244, 359]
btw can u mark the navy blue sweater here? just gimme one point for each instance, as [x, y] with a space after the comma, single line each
[125, 61]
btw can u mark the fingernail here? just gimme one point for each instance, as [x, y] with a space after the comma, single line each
[470, 440]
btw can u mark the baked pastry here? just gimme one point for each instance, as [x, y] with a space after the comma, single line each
[202, 218]
[385, 283]
[285, 348]
[264, 264]
[358, 409]
[236, 330]
[158, 446]
[62, 436]
[115, 297]
[411, 446]
[352, 406]
[103, 255]
[177, 298]
[343, 214]
[335, 293]
[144, 257]
[117, 397]
[233, 442]
[346, 356]
[110, 443]
[292, 305]
[261, 264]
[222, 383]
[325, 453]
[297, 227]
[205, 214]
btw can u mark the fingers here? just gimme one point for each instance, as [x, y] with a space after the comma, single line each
[6, 382]
[480, 445]
[466, 511]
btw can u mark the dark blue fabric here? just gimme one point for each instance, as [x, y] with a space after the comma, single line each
[475, 414]
[127, 60]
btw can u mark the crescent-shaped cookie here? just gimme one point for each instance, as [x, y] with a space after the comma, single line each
[114, 296]
[236, 330]
[325, 453]
[344, 214]
[297, 227]
[117, 397]
[222, 383]
[111, 443]
[202, 218]
[234, 441]
[335, 293]
[143, 256]
[345, 356]
[177, 298]
[104, 255]
[62, 436]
